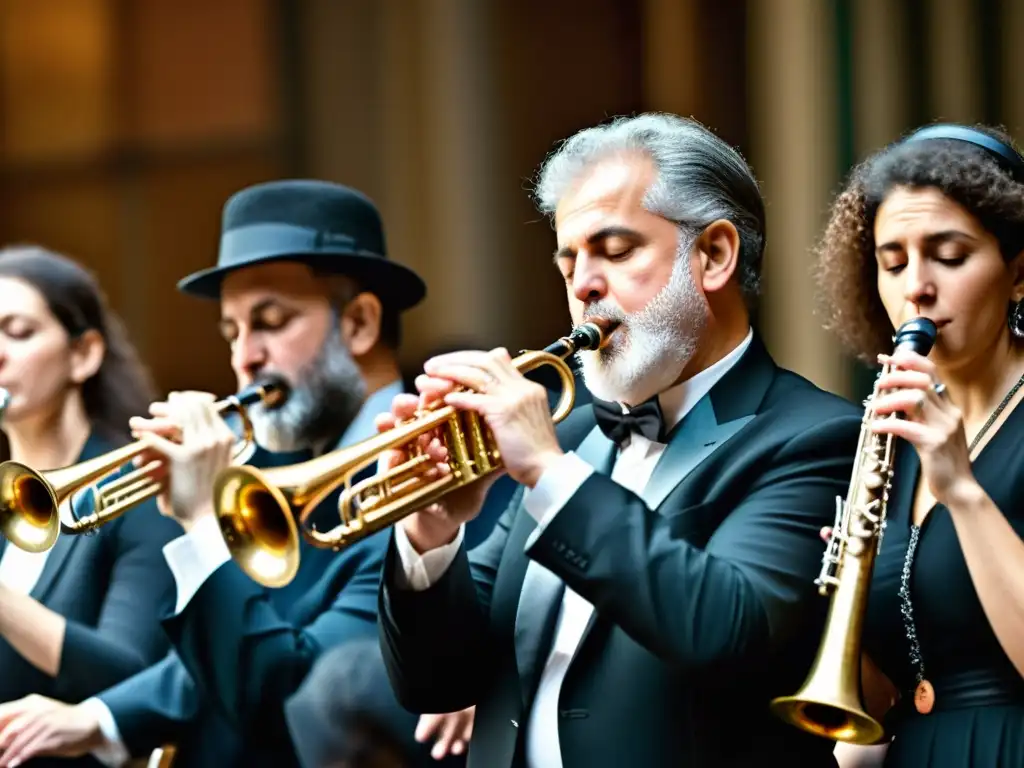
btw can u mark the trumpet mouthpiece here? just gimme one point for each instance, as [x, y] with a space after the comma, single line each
[270, 392]
[595, 333]
[275, 394]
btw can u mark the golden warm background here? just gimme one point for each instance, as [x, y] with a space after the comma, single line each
[125, 124]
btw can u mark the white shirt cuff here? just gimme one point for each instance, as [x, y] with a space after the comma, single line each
[420, 572]
[113, 753]
[556, 486]
[194, 557]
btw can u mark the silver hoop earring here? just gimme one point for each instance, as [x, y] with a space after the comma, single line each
[1016, 320]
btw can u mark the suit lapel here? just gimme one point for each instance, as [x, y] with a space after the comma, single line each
[697, 437]
[730, 405]
[82, 500]
[736, 397]
[54, 562]
[541, 593]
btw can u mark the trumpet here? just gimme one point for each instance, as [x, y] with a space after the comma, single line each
[830, 703]
[30, 500]
[257, 509]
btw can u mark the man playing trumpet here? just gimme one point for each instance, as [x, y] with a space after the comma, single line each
[307, 298]
[650, 587]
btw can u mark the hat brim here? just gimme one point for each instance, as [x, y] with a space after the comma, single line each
[395, 285]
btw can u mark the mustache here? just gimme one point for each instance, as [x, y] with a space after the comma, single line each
[604, 310]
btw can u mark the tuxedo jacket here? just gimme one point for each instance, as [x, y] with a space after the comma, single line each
[705, 606]
[113, 589]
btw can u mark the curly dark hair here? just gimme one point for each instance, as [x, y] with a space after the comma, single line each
[846, 270]
[121, 387]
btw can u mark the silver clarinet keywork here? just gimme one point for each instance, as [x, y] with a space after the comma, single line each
[829, 702]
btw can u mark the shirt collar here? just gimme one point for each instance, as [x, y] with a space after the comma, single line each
[363, 426]
[679, 400]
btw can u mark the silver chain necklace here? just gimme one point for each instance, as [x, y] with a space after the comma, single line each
[924, 693]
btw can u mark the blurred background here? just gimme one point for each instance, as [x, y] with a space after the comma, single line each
[125, 124]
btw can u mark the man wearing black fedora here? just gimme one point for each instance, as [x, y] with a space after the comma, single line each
[309, 297]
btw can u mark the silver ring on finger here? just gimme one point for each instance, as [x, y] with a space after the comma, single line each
[939, 388]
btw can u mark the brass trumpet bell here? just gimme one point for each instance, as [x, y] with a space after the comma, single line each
[25, 501]
[30, 500]
[263, 513]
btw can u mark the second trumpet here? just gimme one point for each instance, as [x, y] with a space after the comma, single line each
[258, 509]
[30, 499]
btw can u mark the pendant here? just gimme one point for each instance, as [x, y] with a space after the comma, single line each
[924, 697]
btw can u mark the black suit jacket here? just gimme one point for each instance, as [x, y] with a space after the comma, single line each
[113, 589]
[241, 651]
[250, 647]
[703, 590]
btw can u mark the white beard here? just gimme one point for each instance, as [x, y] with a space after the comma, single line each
[651, 347]
[321, 404]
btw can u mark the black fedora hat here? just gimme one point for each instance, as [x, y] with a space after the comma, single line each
[330, 227]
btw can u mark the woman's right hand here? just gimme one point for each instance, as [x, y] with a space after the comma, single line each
[437, 524]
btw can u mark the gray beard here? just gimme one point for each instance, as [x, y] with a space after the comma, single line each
[652, 346]
[322, 403]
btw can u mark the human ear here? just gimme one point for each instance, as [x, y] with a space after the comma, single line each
[1017, 275]
[360, 323]
[87, 353]
[718, 251]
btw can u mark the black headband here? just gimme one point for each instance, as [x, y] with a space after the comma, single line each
[1007, 155]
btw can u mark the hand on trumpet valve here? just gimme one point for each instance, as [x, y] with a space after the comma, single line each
[514, 408]
[932, 422]
[438, 523]
[192, 445]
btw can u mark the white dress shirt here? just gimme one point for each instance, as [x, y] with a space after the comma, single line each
[196, 555]
[633, 467]
[20, 570]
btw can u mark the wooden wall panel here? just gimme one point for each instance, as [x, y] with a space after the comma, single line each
[180, 234]
[57, 79]
[76, 216]
[199, 71]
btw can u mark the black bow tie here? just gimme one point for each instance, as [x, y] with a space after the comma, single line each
[645, 419]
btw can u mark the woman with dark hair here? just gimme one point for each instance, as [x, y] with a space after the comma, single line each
[86, 614]
[933, 226]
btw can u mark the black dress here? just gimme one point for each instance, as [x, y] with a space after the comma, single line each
[977, 720]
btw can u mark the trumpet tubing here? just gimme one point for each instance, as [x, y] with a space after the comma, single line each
[829, 703]
[263, 513]
[30, 500]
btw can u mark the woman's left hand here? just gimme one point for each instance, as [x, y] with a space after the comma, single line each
[932, 423]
